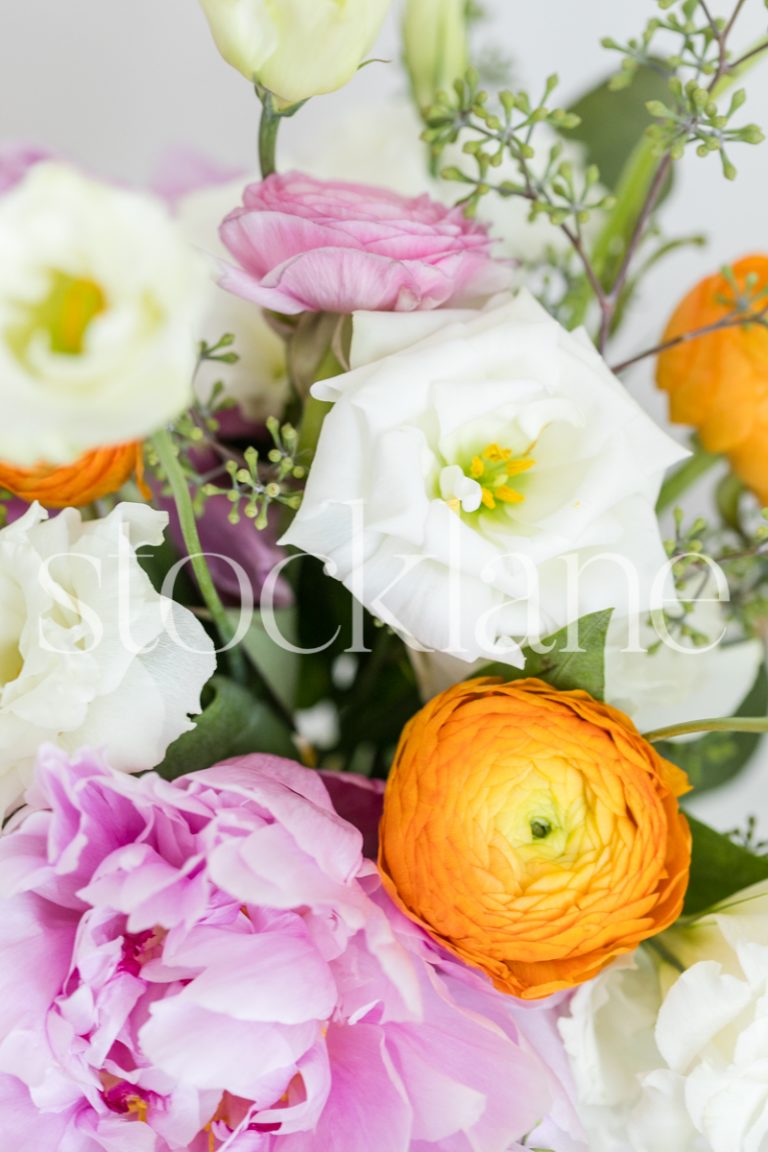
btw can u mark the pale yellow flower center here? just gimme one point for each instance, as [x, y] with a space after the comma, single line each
[64, 314]
[488, 480]
[496, 470]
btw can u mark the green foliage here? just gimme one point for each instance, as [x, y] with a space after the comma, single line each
[718, 757]
[572, 658]
[251, 479]
[233, 723]
[492, 133]
[611, 121]
[719, 868]
[697, 57]
[376, 697]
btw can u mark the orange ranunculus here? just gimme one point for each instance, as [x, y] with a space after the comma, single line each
[94, 475]
[534, 833]
[718, 383]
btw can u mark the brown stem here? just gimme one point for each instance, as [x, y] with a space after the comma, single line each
[651, 200]
[732, 320]
[576, 241]
[735, 64]
[710, 19]
[734, 17]
[594, 282]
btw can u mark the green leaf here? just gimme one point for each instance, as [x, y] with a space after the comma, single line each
[233, 723]
[572, 661]
[719, 868]
[612, 122]
[275, 662]
[718, 757]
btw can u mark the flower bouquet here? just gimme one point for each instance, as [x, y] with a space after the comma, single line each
[365, 645]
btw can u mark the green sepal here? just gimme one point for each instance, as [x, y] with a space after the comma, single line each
[559, 664]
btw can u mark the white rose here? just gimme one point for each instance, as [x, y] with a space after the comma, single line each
[472, 463]
[259, 380]
[99, 300]
[665, 1058]
[90, 653]
[297, 48]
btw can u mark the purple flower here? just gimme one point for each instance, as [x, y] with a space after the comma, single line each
[212, 964]
[307, 245]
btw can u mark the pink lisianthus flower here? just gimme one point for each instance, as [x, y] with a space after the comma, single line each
[307, 245]
[211, 964]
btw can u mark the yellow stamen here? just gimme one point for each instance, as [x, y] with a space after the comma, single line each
[488, 499]
[137, 1107]
[494, 453]
[508, 495]
[522, 464]
[476, 468]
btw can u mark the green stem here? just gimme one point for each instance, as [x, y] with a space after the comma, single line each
[163, 445]
[689, 472]
[311, 426]
[268, 129]
[757, 724]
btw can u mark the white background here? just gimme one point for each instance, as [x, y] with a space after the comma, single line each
[115, 83]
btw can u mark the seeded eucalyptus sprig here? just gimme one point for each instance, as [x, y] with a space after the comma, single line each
[251, 479]
[747, 307]
[492, 133]
[687, 45]
[697, 58]
[254, 483]
[739, 548]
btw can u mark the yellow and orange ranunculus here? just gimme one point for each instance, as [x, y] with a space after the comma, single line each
[94, 475]
[718, 383]
[534, 833]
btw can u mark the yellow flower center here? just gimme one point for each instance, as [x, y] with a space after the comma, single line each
[495, 469]
[137, 1107]
[65, 313]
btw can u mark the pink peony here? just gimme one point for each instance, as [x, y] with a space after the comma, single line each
[307, 245]
[212, 964]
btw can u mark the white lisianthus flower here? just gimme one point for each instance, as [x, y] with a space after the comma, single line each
[659, 679]
[100, 297]
[258, 382]
[483, 478]
[297, 48]
[665, 1058]
[90, 654]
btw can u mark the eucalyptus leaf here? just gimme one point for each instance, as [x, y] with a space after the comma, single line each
[718, 757]
[572, 658]
[232, 723]
[611, 122]
[719, 868]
